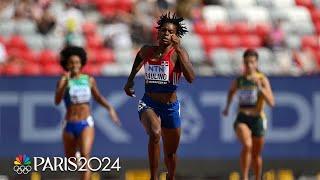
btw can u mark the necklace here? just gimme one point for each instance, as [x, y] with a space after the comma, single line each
[158, 55]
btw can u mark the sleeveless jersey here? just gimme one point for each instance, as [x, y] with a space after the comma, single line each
[161, 75]
[248, 93]
[78, 90]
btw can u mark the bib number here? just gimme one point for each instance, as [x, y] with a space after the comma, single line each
[157, 73]
[80, 94]
[248, 97]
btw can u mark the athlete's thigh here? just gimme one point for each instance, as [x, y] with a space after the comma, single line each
[86, 140]
[243, 133]
[69, 143]
[150, 121]
[170, 139]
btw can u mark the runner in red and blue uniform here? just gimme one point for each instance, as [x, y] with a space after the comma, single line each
[159, 109]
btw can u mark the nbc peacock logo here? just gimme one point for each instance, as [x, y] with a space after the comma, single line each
[22, 164]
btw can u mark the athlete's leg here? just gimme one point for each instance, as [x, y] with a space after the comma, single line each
[86, 139]
[170, 138]
[69, 143]
[152, 125]
[244, 135]
[257, 147]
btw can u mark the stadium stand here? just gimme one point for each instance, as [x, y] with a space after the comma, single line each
[33, 32]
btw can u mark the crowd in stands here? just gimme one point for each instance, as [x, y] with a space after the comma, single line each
[284, 32]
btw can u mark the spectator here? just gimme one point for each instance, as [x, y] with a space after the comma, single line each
[275, 40]
[142, 23]
[73, 38]
[118, 34]
[71, 20]
[70, 24]
[187, 8]
[47, 23]
[6, 9]
[23, 10]
[43, 17]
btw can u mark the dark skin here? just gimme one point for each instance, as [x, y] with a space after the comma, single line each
[251, 146]
[167, 36]
[78, 112]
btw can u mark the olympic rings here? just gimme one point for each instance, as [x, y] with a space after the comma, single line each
[22, 169]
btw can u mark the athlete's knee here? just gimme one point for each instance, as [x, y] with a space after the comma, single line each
[155, 135]
[247, 146]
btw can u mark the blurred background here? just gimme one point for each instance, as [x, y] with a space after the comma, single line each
[284, 32]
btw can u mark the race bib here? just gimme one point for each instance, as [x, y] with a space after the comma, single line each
[157, 73]
[248, 97]
[80, 94]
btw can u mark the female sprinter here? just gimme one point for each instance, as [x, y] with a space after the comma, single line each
[253, 89]
[159, 109]
[76, 89]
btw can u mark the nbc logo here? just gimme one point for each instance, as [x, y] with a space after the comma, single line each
[22, 164]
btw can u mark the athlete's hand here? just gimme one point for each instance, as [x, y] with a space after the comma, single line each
[66, 75]
[114, 117]
[128, 88]
[64, 78]
[225, 112]
[175, 40]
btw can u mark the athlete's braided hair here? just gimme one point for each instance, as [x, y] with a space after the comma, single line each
[174, 19]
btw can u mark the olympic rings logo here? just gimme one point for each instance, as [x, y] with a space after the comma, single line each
[21, 169]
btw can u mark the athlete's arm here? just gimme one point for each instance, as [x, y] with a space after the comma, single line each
[185, 64]
[265, 89]
[61, 87]
[138, 63]
[231, 93]
[183, 58]
[102, 101]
